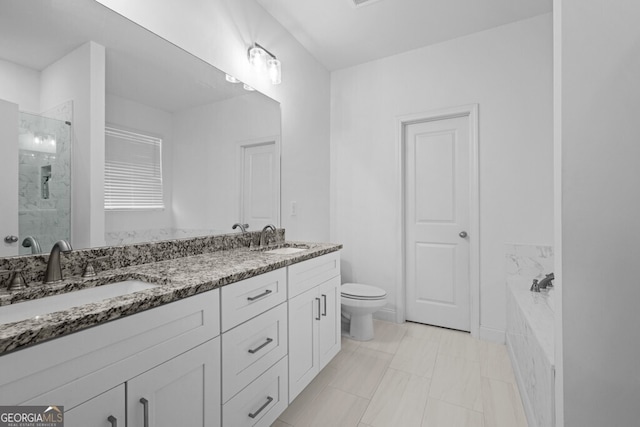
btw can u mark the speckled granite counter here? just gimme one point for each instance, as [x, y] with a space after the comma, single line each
[179, 278]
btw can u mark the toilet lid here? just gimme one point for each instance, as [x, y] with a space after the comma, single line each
[360, 291]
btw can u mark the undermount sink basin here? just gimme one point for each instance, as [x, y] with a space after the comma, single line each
[41, 306]
[285, 251]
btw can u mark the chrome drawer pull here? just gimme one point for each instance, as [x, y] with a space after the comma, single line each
[113, 420]
[255, 350]
[145, 405]
[324, 297]
[265, 293]
[255, 414]
[318, 299]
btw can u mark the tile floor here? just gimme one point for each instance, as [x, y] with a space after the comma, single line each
[411, 375]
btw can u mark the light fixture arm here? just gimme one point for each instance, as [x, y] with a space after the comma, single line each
[255, 44]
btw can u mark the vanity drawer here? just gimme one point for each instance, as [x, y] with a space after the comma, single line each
[251, 348]
[261, 402]
[308, 274]
[247, 298]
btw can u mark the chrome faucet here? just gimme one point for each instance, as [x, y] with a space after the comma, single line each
[243, 227]
[32, 242]
[54, 269]
[543, 284]
[263, 234]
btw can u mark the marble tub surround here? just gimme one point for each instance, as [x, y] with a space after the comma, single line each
[530, 331]
[528, 261]
[179, 278]
[34, 266]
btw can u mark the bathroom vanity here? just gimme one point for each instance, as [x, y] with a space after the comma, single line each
[227, 337]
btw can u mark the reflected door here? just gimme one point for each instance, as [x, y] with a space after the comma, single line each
[437, 215]
[260, 184]
[8, 177]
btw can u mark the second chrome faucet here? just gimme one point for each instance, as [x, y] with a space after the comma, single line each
[263, 234]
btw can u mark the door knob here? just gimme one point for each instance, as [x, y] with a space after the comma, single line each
[463, 234]
[11, 239]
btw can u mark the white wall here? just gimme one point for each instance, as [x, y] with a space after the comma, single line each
[206, 145]
[220, 31]
[80, 76]
[137, 117]
[9, 119]
[20, 85]
[508, 72]
[600, 91]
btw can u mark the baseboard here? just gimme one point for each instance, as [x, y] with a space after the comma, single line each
[386, 314]
[526, 403]
[493, 335]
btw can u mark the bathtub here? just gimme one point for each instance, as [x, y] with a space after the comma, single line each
[530, 343]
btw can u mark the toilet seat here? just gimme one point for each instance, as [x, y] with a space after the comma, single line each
[358, 291]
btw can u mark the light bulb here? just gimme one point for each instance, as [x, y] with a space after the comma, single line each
[258, 58]
[247, 87]
[275, 71]
[231, 79]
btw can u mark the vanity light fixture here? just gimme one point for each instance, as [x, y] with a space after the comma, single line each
[231, 79]
[265, 61]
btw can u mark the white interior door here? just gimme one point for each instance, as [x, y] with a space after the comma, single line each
[8, 177]
[260, 184]
[437, 185]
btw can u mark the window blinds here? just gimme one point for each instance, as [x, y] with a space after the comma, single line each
[133, 171]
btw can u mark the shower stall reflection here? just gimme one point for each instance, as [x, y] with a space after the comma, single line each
[44, 182]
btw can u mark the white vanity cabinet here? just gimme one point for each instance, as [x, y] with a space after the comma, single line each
[185, 391]
[254, 350]
[106, 409]
[177, 392]
[314, 318]
[169, 355]
[234, 356]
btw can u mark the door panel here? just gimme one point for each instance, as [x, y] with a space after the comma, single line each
[260, 184]
[303, 338]
[104, 410]
[437, 210]
[330, 336]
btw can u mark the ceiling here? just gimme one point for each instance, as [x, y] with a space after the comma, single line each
[341, 35]
[140, 66]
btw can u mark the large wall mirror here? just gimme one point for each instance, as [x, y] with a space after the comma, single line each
[121, 137]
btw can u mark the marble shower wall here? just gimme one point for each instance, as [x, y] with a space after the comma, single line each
[44, 183]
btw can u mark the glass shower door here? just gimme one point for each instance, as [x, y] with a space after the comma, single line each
[44, 182]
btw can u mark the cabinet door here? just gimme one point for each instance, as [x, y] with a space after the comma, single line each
[104, 410]
[329, 332]
[185, 391]
[304, 319]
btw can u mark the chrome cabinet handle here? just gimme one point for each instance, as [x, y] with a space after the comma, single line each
[265, 293]
[255, 414]
[318, 299]
[261, 346]
[463, 234]
[113, 420]
[324, 312]
[145, 404]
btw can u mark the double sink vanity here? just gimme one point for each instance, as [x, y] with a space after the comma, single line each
[193, 332]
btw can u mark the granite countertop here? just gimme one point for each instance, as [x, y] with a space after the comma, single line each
[178, 278]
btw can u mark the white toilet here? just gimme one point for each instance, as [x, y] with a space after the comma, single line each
[359, 302]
